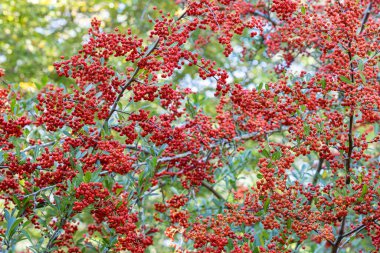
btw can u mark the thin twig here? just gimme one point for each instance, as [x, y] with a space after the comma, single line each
[316, 175]
[36, 192]
[365, 17]
[211, 189]
[267, 17]
[55, 235]
[328, 240]
[358, 229]
[127, 84]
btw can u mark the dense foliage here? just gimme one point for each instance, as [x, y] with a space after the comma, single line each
[176, 141]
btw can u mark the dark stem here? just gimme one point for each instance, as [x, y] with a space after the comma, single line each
[128, 83]
[366, 16]
[267, 17]
[315, 181]
[132, 78]
[350, 148]
[211, 189]
[335, 246]
[55, 235]
[342, 235]
[316, 175]
[358, 229]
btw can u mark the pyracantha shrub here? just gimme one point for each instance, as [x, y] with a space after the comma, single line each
[129, 158]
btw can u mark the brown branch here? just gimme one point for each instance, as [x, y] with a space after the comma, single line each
[358, 229]
[132, 78]
[47, 144]
[350, 148]
[267, 17]
[315, 181]
[335, 246]
[128, 83]
[211, 189]
[316, 175]
[55, 235]
[38, 145]
[365, 17]
[185, 154]
[328, 240]
[37, 192]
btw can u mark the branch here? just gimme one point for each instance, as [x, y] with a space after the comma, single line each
[47, 144]
[365, 17]
[316, 175]
[137, 148]
[36, 192]
[132, 78]
[211, 189]
[315, 180]
[267, 17]
[358, 229]
[335, 246]
[55, 235]
[185, 154]
[128, 83]
[38, 145]
[329, 241]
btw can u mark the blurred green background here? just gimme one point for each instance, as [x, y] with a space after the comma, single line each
[35, 33]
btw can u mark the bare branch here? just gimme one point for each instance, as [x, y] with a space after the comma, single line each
[211, 189]
[365, 17]
[267, 17]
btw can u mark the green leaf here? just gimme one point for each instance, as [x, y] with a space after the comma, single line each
[276, 155]
[99, 94]
[365, 189]
[67, 133]
[363, 78]
[14, 226]
[361, 65]
[14, 105]
[345, 79]
[266, 204]
[1, 157]
[190, 109]
[265, 153]
[88, 88]
[289, 224]
[106, 128]
[153, 162]
[306, 130]
[26, 234]
[260, 87]
[323, 83]
[364, 192]
[118, 191]
[87, 177]
[119, 204]
[259, 176]
[303, 10]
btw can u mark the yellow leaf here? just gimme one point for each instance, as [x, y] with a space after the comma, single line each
[28, 86]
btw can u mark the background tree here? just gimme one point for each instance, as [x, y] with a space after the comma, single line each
[175, 140]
